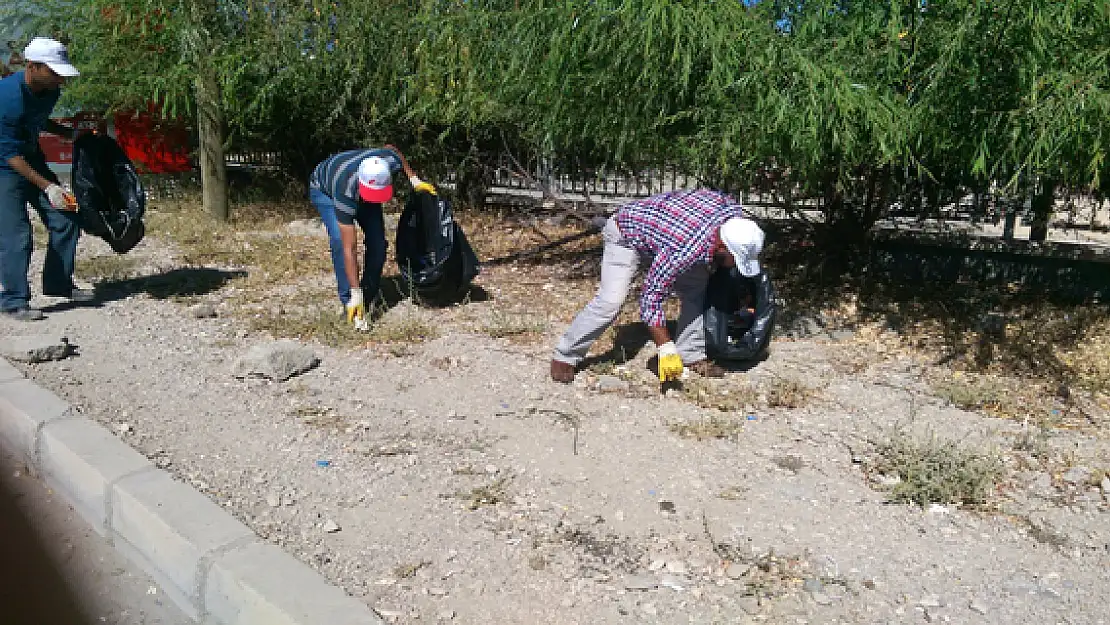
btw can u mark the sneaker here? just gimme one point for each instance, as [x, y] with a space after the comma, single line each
[75, 295]
[24, 314]
[707, 369]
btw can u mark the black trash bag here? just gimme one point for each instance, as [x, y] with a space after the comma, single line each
[110, 197]
[732, 330]
[435, 259]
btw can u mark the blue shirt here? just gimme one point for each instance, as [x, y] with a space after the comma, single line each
[337, 177]
[677, 230]
[23, 116]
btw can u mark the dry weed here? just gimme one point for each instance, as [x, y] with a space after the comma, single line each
[714, 427]
[931, 470]
[113, 267]
[788, 393]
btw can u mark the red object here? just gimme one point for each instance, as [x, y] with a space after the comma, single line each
[155, 146]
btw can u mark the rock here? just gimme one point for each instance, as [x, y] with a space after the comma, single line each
[888, 481]
[803, 327]
[277, 361]
[677, 567]
[640, 582]
[674, 582]
[35, 348]
[611, 384]
[657, 564]
[307, 228]
[737, 570]
[842, 335]
[330, 527]
[446, 615]
[821, 598]
[273, 500]
[813, 586]
[1077, 475]
[1106, 485]
[124, 428]
[931, 601]
[978, 606]
[203, 310]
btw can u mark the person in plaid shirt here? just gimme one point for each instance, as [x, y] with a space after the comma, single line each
[681, 236]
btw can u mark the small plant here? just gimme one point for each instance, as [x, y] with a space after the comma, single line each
[489, 495]
[113, 267]
[320, 416]
[714, 427]
[405, 571]
[715, 395]
[508, 325]
[404, 327]
[1035, 443]
[969, 395]
[791, 463]
[935, 471]
[786, 393]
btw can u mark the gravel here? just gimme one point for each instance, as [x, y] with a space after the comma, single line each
[455, 494]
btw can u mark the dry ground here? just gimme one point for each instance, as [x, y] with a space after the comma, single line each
[920, 466]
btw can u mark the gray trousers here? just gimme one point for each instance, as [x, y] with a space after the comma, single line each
[618, 267]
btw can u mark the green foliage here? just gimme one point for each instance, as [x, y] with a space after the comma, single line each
[863, 103]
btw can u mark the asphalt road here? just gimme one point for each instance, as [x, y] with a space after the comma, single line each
[54, 569]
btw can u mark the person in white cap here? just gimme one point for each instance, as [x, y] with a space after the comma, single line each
[681, 237]
[351, 187]
[27, 99]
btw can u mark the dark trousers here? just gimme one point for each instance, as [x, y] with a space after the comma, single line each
[16, 243]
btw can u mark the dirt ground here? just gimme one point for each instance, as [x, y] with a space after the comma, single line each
[432, 469]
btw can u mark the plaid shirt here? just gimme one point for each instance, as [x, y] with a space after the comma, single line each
[677, 230]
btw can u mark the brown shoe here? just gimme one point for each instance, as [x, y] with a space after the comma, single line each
[707, 369]
[562, 372]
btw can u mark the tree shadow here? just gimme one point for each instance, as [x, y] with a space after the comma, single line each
[181, 282]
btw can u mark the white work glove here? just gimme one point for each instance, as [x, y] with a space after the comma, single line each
[59, 199]
[670, 363]
[419, 185]
[356, 310]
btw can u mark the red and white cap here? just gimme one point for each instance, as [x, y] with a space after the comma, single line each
[375, 180]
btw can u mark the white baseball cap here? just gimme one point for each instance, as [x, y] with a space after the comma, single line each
[51, 53]
[744, 238]
[375, 180]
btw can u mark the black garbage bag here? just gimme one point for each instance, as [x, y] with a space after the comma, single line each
[435, 259]
[739, 315]
[110, 197]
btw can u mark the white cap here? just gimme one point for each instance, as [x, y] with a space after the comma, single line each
[744, 238]
[375, 180]
[52, 53]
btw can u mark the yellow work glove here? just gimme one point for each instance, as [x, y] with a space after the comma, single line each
[419, 186]
[670, 363]
[356, 310]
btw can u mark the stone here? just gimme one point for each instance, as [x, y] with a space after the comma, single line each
[978, 606]
[203, 310]
[1106, 485]
[124, 428]
[842, 335]
[640, 582]
[273, 500]
[813, 586]
[1077, 475]
[657, 564]
[277, 361]
[330, 527]
[35, 348]
[678, 567]
[821, 598]
[446, 615]
[674, 582]
[737, 570]
[611, 384]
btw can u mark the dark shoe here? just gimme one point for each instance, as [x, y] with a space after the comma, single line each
[562, 372]
[80, 296]
[24, 314]
[707, 369]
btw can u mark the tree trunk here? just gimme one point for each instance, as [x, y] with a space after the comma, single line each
[213, 165]
[1043, 202]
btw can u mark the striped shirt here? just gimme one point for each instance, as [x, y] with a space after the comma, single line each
[337, 176]
[677, 230]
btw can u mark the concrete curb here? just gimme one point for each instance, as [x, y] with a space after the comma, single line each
[212, 566]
